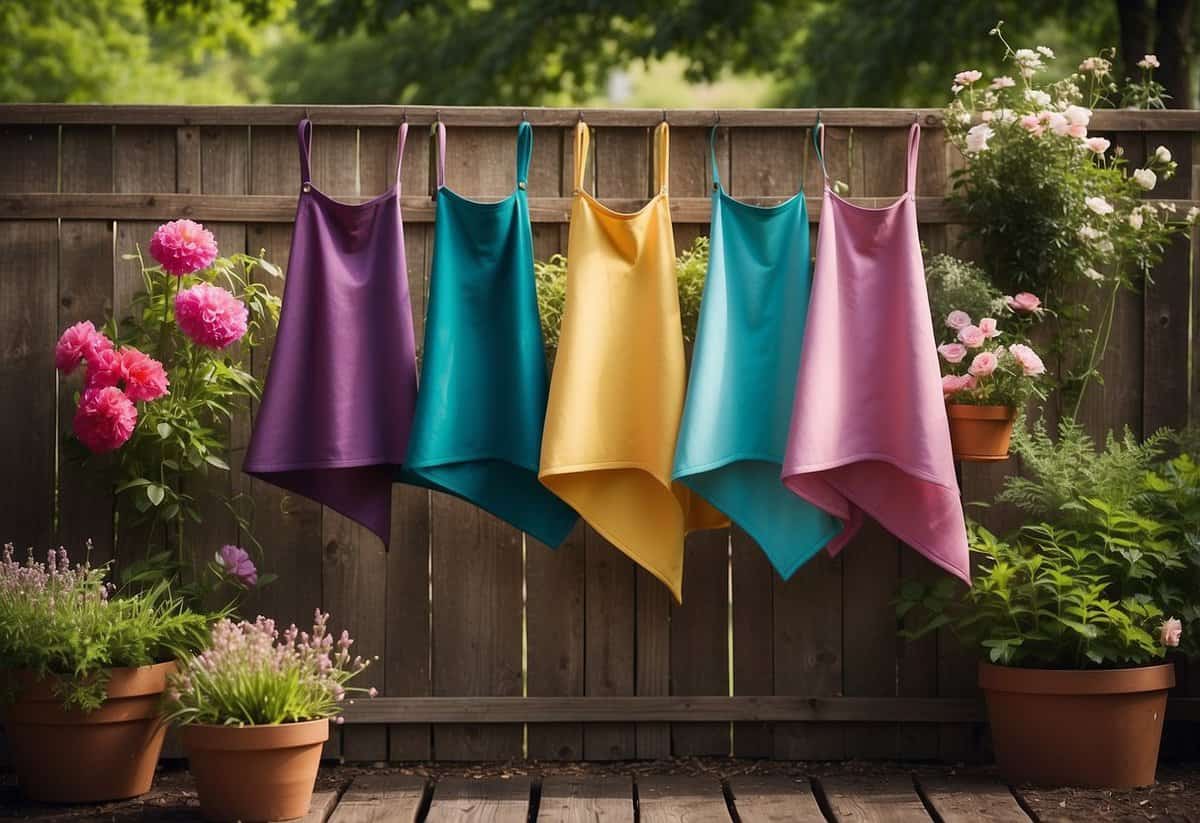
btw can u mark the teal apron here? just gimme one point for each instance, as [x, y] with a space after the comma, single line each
[477, 432]
[739, 398]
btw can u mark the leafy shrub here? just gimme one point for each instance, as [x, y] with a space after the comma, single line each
[959, 284]
[59, 619]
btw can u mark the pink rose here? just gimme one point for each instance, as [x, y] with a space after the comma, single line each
[971, 336]
[1171, 631]
[987, 325]
[105, 419]
[210, 316]
[958, 319]
[954, 383]
[1096, 145]
[1030, 363]
[1024, 302]
[1077, 131]
[1032, 124]
[984, 364]
[952, 352]
[183, 247]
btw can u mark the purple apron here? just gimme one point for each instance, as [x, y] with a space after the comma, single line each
[340, 393]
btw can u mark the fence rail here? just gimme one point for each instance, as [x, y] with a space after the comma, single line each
[491, 645]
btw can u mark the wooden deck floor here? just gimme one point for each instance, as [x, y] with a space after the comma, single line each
[502, 793]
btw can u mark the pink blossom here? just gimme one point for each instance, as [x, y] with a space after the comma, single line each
[105, 368]
[967, 78]
[1171, 631]
[984, 364]
[987, 325]
[183, 247]
[1030, 363]
[1077, 131]
[958, 319]
[105, 419]
[237, 564]
[971, 336]
[1024, 302]
[952, 352]
[1032, 124]
[1149, 61]
[210, 316]
[78, 343]
[144, 377]
[954, 383]
[1096, 145]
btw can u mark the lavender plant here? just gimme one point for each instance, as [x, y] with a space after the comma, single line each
[250, 675]
[62, 620]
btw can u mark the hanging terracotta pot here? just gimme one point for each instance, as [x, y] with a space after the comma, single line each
[1096, 729]
[69, 756]
[255, 772]
[980, 433]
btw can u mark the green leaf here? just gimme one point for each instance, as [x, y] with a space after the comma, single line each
[270, 268]
[164, 430]
[216, 462]
[155, 494]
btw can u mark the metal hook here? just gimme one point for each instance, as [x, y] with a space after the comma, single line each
[581, 115]
[524, 117]
[916, 117]
[664, 111]
[404, 116]
[716, 117]
[437, 116]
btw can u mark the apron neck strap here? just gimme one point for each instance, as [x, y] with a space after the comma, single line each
[304, 139]
[438, 135]
[662, 155]
[524, 152]
[582, 144]
[914, 149]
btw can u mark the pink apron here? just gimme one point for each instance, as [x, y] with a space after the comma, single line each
[868, 432]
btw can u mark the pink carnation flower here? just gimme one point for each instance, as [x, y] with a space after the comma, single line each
[78, 343]
[1031, 364]
[984, 364]
[954, 383]
[971, 336]
[105, 419]
[958, 319]
[952, 352]
[210, 316]
[144, 377]
[183, 247]
[105, 368]
[1024, 302]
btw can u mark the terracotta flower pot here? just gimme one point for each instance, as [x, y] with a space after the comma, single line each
[1097, 729]
[253, 773]
[63, 756]
[980, 433]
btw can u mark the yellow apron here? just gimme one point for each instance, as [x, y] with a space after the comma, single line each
[616, 395]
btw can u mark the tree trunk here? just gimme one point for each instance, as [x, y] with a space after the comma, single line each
[1133, 17]
[1173, 47]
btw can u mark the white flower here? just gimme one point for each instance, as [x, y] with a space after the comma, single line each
[1099, 205]
[1105, 247]
[1145, 178]
[1058, 124]
[1088, 234]
[964, 117]
[1135, 219]
[1027, 59]
[1092, 274]
[1097, 66]
[1003, 82]
[1167, 206]
[1046, 52]
[1150, 61]
[1077, 115]
[977, 137]
[1192, 214]
[967, 78]
[1038, 97]
[1162, 154]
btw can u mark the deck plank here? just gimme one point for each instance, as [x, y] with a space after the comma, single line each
[681, 799]
[381, 798]
[322, 806]
[602, 799]
[774, 799]
[460, 800]
[963, 800]
[874, 799]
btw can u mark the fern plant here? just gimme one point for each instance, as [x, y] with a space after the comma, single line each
[1059, 474]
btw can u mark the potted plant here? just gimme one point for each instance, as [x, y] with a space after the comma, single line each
[83, 673]
[984, 382]
[254, 709]
[1068, 614]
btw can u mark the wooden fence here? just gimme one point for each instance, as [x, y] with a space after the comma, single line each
[490, 645]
